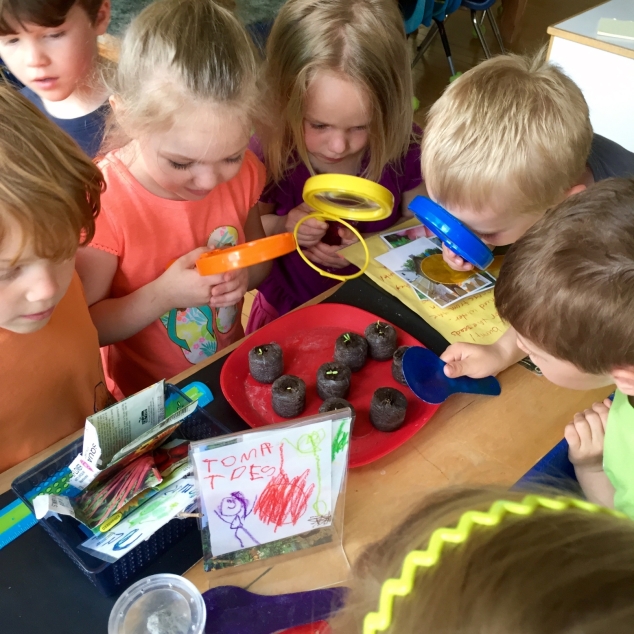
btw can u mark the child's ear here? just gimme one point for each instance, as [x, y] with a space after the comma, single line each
[102, 20]
[575, 190]
[114, 102]
[624, 379]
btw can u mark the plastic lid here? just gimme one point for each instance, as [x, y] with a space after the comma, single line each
[248, 254]
[348, 197]
[160, 604]
[461, 240]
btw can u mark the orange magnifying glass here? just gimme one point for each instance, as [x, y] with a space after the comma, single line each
[247, 254]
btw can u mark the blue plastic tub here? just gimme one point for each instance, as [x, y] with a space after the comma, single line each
[69, 533]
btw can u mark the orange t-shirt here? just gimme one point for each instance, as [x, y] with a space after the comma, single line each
[51, 380]
[146, 232]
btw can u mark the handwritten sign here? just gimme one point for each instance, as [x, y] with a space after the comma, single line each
[473, 320]
[261, 491]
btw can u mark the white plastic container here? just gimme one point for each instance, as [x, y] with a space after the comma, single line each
[160, 604]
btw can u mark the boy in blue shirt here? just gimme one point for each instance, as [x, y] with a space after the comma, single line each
[567, 289]
[51, 47]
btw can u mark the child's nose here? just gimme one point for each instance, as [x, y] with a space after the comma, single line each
[207, 180]
[36, 57]
[42, 286]
[337, 143]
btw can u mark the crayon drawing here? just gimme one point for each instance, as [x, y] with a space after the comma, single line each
[267, 487]
[234, 510]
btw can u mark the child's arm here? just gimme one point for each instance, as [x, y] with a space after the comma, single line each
[119, 318]
[477, 361]
[585, 436]
[309, 234]
[236, 283]
[407, 198]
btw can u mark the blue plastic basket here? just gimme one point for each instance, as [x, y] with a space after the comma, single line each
[111, 578]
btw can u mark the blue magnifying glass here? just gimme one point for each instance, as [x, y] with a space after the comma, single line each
[459, 238]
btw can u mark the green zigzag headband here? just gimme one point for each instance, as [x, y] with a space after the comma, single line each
[381, 620]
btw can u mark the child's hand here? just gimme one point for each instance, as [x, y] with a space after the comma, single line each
[585, 436]
[311, 231]
[474, 360]
[326, 255]
[232, 289]
[181, 286]
[455, 261]
[347, 237]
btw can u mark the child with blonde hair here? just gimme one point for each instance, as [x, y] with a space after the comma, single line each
[477, 561]
[181, 181]
[337, 88]
[50, 368]
[506, 141]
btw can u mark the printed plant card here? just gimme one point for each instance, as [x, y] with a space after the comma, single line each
[270, 492]
[111, 429]
[144, 522]
[407, 260]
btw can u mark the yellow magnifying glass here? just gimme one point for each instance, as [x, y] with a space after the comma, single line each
[338, 198]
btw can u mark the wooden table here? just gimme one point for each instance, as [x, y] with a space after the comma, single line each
[470, 440]
[603, 67]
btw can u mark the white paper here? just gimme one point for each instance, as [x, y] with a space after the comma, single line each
[153, 431]
[401, 261]
[272, 485]
[144, 522]
[44, 504]
[82, 473]
[115, 427]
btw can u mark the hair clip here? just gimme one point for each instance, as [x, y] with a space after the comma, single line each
[381, 620]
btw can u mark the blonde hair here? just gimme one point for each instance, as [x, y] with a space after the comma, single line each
[48, 186]
[176, 52]
[569, 572]
[363, 40]
[513, 133]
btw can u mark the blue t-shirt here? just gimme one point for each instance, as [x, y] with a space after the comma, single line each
[608, 159]
[87, 130]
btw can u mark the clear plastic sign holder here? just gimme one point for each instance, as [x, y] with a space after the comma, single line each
[272, 500]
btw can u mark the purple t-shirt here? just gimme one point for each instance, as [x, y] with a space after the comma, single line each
[291, 281]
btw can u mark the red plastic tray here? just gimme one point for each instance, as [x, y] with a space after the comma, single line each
[307, 337]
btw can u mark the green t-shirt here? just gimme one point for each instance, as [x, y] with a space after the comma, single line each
[618, 452]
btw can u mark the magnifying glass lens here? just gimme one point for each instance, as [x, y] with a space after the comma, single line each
[347, 200]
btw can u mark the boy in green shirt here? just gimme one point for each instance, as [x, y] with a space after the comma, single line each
[567, 289]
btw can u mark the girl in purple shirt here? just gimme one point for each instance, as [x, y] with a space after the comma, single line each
[337, 100]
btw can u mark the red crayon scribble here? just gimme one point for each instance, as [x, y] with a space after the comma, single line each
[284, 500]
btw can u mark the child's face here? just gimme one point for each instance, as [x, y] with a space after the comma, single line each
[563, 373]
[204, 148]
[336, 122]
[494, 228]
[31, 287]
[55, 61]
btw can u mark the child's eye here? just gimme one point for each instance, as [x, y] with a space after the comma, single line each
[318, 126]
[179, 166]
[234, 159]
[56, 35]
[359, 128]
[9, 274]
[13, 40]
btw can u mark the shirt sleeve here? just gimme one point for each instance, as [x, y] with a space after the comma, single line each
[107, 235]
[412, 176]
[256, 174]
